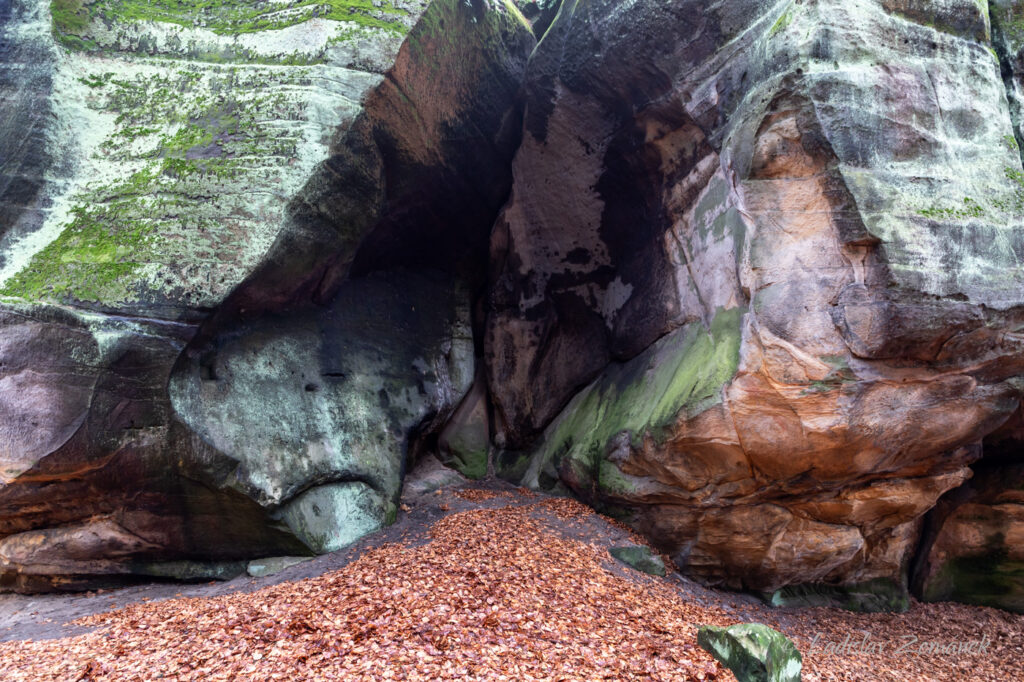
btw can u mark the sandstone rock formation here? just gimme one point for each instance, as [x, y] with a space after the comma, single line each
[158, 157]
[758, 285]
[746, 274]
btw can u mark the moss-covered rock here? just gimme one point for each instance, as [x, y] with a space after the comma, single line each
[841, 181]
[641, 558]
[188, 128]
[635, 402]
[880, 595]
[193, 171]
[753, 652]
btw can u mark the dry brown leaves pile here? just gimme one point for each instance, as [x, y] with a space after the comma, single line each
[480, 494]
[494, 596]
[839, 645]
[498, 594]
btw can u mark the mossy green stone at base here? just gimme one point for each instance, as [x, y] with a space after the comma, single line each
[753, 652]
[680, 375]
[262, 568]
[990, 580]
[641, 558]
[873, 596]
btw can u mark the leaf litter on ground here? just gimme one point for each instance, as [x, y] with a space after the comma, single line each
[497, 594]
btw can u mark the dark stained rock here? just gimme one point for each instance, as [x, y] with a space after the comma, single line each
[973, 549]
[27, 157]
[758, 285]
[316, 407]
[207, 364]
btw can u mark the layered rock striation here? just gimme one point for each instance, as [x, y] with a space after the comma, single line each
[758, 285]
[745, 274]
[168, 161]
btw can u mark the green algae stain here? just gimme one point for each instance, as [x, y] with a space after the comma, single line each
[224, 17]
[191, 137]
[1004, 206]
[782, 23]
[680, 376]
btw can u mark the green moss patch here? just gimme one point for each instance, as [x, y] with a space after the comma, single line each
[988, 580]
[202, 148]
[224, 17]
[879, 595]
[680, 376]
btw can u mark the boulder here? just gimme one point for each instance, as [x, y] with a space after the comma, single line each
[753, 652]
[641, 558]
[757, 288]
[316, 408]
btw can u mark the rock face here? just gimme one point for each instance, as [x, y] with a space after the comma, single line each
[746, 274]
[211, 346]
[974, 542]
[758, 284]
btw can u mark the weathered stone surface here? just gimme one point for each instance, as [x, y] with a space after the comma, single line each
[428, 477]
[31, 162]
[754, 281]
[261, 568]
[355, 333]
[316, 408]
[753, 652]
[183, 135]
[641, 558]
[160, 158]
[758, 285]
[973, 549]
[465, 442]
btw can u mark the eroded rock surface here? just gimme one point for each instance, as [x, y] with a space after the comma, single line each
[973, 548]
[758, 285]
[161, 156]
[747, 274]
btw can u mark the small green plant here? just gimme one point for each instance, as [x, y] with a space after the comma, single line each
[970, 209]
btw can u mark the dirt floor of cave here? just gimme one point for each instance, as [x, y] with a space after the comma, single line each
[480, 581]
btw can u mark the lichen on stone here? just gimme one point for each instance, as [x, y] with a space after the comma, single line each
[187, 159]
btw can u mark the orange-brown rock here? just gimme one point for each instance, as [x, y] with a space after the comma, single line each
[752, 292]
